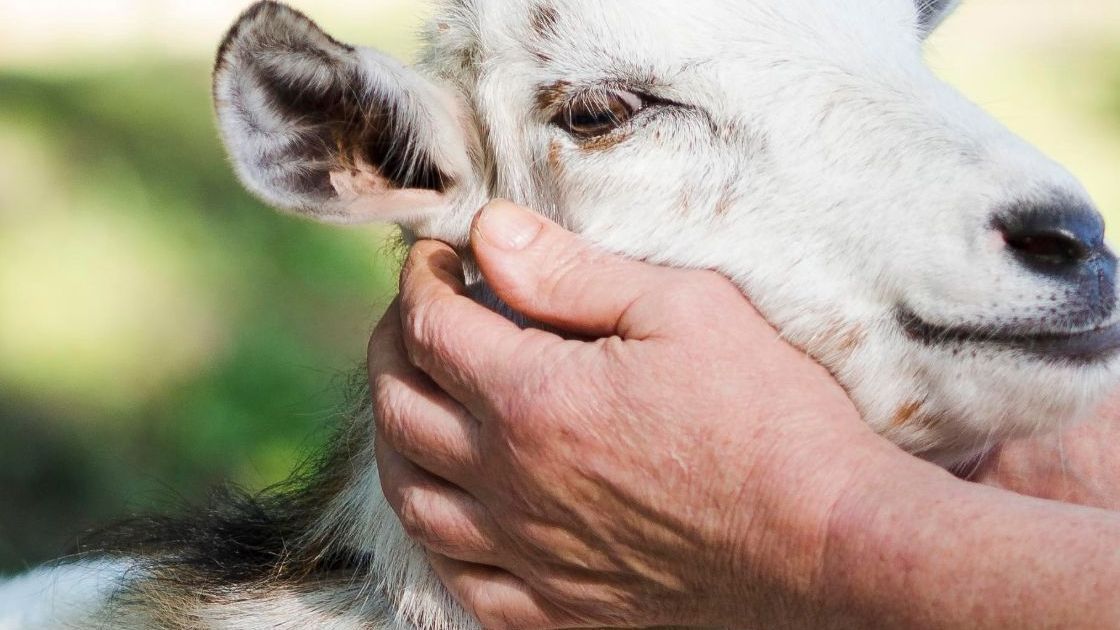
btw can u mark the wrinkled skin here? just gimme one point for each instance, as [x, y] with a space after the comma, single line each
[616, 502]
[640, 443]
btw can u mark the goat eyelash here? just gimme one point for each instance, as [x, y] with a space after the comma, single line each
[603, 112]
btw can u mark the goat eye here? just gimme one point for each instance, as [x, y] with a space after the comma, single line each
[598, 113]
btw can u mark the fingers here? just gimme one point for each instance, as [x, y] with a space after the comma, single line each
[467, 349]
[553, 276]
[439, 516]
[416, 417]
[498, 599]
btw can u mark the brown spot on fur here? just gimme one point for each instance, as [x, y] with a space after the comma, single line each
[905, 414]
[852, 339]
[841, 339]
[684, 203]
[554, 158]
[544, 19]
[550, 96]
[936, 420]
[466, 58]
[726, 202]
[603, 143]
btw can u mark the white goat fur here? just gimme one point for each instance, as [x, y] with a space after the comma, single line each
[800, 147]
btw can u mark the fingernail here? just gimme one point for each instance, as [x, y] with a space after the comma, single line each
[508, 226]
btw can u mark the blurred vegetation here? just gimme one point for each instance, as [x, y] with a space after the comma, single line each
[161, 331]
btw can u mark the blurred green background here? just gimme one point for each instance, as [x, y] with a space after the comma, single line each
[161, 331]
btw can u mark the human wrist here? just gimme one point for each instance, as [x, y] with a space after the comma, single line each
[780, 552]
[874, 529]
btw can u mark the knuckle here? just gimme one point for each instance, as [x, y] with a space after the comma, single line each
[392, 487]
[391, 407]
[492, 615]
[436, 530]
[427, 255]
[422, 327]
[412, 262]
[416, 319]
[413, 514]
[420, 314]
[443, 545]
[534, 540]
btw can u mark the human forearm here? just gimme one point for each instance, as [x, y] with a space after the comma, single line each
[978, 558]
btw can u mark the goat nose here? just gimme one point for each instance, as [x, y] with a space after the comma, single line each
[1055, 239]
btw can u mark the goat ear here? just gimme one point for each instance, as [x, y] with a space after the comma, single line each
[931, 13]
[333, 132]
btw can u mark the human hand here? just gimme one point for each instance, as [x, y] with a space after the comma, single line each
[1079, 465]
[679, 468]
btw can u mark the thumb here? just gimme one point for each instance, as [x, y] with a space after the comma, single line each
[552, 276]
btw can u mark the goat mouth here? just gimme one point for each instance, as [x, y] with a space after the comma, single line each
[1087, 346]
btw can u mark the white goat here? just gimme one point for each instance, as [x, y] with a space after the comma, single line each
[953, 279]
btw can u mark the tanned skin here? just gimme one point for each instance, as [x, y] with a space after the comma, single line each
[742, 492]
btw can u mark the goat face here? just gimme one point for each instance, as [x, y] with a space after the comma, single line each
[952, 278]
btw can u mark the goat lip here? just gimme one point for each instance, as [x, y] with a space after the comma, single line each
[1089, 346]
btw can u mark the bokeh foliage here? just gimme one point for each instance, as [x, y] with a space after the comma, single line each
[161, 331]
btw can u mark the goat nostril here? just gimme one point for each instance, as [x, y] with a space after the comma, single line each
[1056, 247]
[1053, 238]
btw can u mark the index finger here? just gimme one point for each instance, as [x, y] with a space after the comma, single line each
[470, 351]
